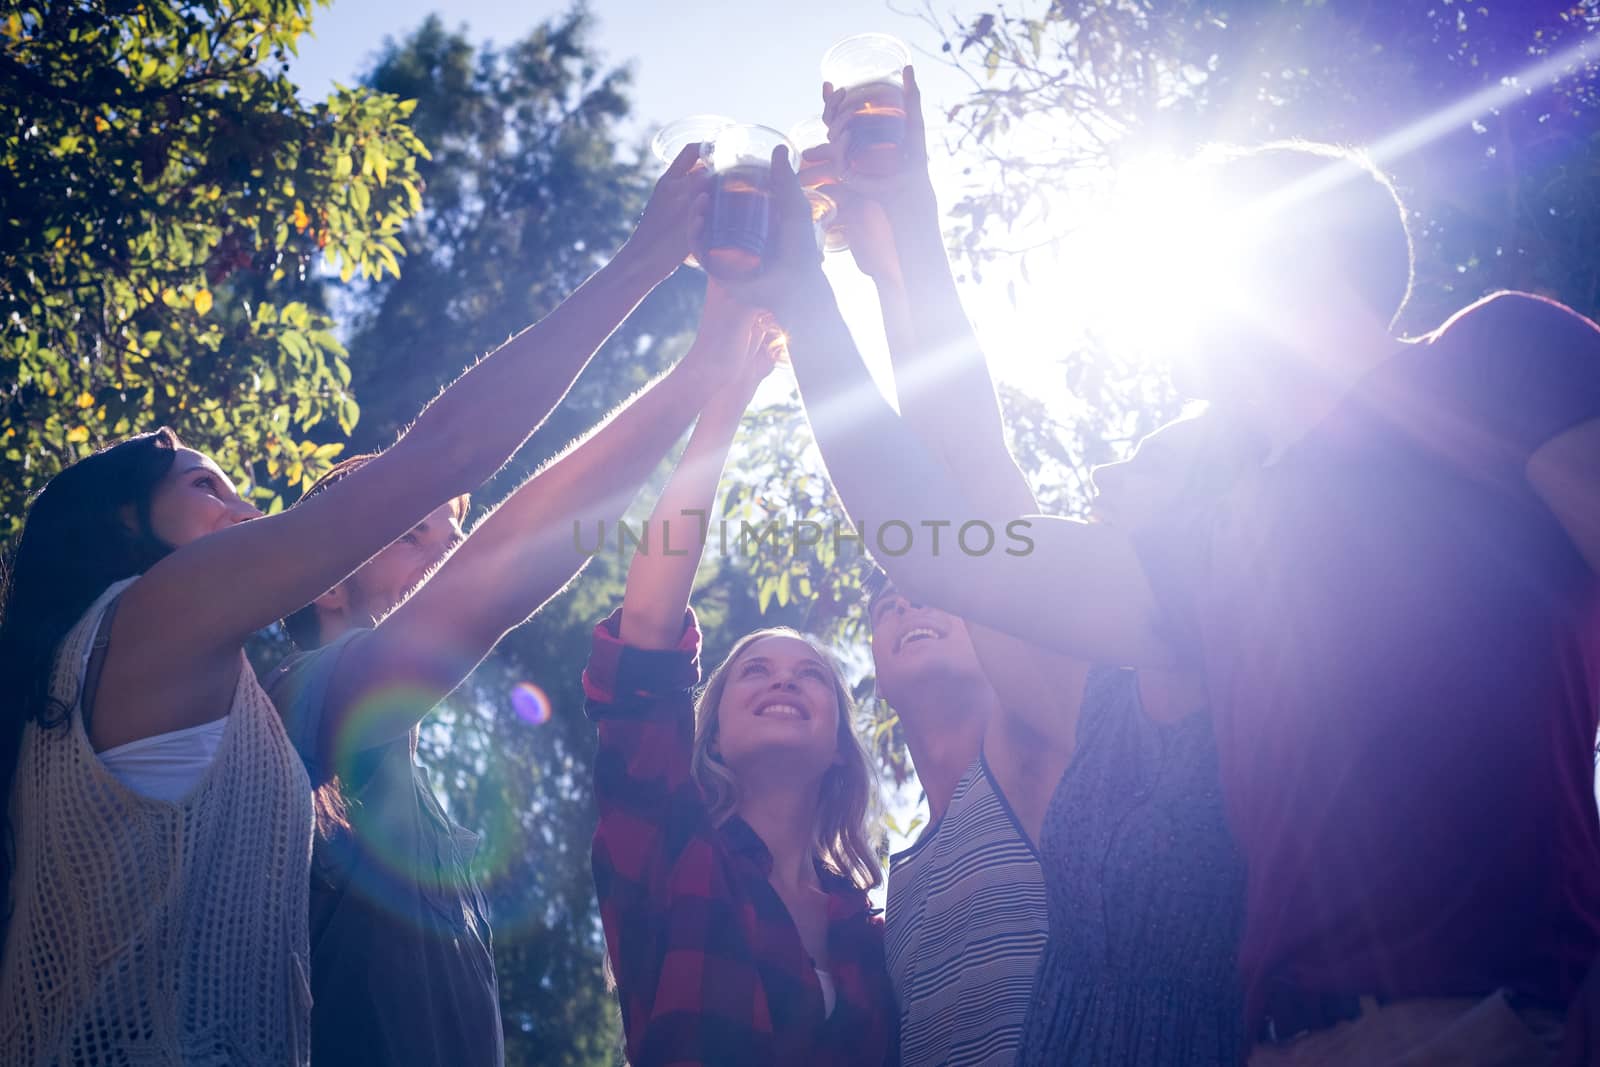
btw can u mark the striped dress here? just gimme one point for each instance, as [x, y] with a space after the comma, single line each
[967, 921]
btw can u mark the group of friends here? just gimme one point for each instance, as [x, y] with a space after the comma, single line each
[1285, 757]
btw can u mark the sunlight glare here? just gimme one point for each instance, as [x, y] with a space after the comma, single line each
[1156, 253]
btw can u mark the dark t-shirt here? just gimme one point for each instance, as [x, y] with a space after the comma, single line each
[1398, 639]
[402, 969]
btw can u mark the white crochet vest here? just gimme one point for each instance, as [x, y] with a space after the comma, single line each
[153, 933]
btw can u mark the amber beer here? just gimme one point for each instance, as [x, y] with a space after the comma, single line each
[739, 222]
[831, 236]
[869, 68]
[874, 130]
[816, 173]
[741, 215]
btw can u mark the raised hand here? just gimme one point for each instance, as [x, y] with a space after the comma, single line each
[911, 178]
[866, 226]
[725, 323]
[736, 347]
[726, 328]
[768, 347]
[860, 217]
[791, 266]
[663, 233]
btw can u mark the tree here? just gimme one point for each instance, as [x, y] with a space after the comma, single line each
[168, 198]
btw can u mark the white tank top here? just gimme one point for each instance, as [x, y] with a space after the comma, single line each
[166, 766]
[163, 766]
[829, 995]
[145, 931]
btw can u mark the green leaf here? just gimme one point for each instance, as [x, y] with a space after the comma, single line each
[295, 344]
[348, 414]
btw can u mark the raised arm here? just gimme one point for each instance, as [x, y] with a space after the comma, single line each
[1067, 585]
[941, 377]
[659, 581]
[527, 549]
[275, 565]
[946, 394]
[639, 685]
[187, 617]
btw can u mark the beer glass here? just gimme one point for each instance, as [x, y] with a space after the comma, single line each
[816, 174]
[868, 67]
[674, 137]
[740, 221]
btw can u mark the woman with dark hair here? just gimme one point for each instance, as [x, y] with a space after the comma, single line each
[732, 860]
[159, 819]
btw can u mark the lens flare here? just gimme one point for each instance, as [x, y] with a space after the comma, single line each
[531, 704]
[496, 855]
[378, 860]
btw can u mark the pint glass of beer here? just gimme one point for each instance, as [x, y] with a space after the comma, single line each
[817, 171]
[741, 199]
[872, 125]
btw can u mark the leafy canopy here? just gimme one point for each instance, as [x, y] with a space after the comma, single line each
[168, 196]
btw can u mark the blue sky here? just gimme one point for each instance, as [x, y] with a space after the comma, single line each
[757, 59]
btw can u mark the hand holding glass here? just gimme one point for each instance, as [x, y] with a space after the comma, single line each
[818, 170]
[674, 137]
[740, 220]
[872, 122]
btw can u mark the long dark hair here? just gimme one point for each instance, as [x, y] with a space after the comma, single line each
[77, 540]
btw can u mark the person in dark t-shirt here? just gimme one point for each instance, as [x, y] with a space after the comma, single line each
[1393, 611]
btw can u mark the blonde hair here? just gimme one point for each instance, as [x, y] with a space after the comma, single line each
[849, 791]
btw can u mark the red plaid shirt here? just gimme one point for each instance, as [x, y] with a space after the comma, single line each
[709, 966]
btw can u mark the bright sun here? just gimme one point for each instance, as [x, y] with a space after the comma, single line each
[1135, 267]
[1152, 255]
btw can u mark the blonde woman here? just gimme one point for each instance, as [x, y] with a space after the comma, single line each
[732, 860]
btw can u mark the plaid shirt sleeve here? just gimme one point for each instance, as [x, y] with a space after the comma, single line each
[686, 979]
